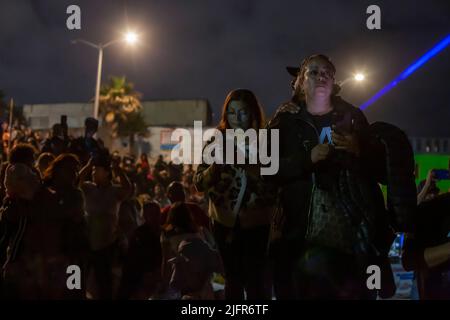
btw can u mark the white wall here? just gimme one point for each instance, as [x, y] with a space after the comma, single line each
[157, 142]
[44, 116]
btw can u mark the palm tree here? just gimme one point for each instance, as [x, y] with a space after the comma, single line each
[120, 106]
[134, 124]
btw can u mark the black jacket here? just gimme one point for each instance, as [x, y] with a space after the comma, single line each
[359, 191]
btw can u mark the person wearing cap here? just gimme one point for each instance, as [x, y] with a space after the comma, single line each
[323, 234]
[87, 146]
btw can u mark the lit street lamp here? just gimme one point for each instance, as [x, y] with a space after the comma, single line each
[130, 38]
[358, 77]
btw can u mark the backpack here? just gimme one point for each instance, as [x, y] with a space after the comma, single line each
[393, 164]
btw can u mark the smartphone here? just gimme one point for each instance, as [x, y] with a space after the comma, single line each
[441, 174]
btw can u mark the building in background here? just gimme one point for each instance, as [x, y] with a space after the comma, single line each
[430, 145]
[431, 153]
[161, 116]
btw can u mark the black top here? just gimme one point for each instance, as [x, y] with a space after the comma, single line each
[432, 223]
[85, 148]
[323, 126]
[325, 170]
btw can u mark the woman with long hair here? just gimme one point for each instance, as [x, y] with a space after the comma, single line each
[239, 205]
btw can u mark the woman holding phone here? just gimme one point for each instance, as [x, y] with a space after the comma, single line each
[240, 206]
[331, 208]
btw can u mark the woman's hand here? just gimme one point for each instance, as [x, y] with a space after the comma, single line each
[289, 107]
[320, 152]
[426, 187]
[430, 178]
[347, 142]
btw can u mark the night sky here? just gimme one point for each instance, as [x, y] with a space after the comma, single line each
[205, 48]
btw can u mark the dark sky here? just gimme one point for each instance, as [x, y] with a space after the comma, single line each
[204, 48]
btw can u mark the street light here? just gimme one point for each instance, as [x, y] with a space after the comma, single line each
[130, 38]
[358, 77]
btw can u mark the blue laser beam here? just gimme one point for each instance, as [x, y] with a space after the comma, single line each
[408, 71]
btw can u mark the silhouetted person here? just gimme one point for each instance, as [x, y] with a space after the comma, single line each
[43, 162]
[87, 146]
[103, 200]
[58, 143]
[142, 266]
[175, 193]
[21, 153]
[62, 180]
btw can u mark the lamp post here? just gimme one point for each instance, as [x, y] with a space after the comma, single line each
[130, 38]
[358, 77]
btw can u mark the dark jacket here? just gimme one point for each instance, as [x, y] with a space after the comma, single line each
[84, 148]
[39, 240]
[14, 215]
[298, 136]
[357, 189]
[390, 159]
[56, 145]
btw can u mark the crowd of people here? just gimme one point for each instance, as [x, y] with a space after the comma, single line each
[119, 219]
[144, 229]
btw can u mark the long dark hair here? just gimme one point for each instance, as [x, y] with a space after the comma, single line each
[248, 97]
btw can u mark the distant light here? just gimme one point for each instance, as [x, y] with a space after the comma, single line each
[408, 71]
[359, 77]
[131, 37]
